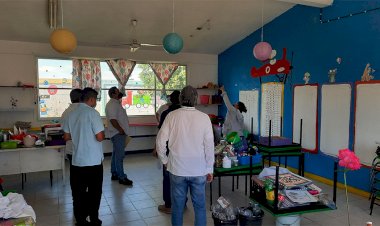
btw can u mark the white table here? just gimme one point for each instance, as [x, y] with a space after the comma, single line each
[34, 159]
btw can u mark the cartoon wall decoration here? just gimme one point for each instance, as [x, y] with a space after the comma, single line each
[332, 74]
[273, 67]
[367, 73]
[306, 77]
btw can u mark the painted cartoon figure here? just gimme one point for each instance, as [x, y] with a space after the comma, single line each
[332, 74]
[306, 77]
[367, 73]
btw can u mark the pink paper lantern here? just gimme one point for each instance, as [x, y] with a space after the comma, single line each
[262, 51]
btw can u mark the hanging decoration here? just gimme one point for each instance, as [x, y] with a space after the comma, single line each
[262, 50]
[274, 67]
[172, 42]
[63, 40]
[367, 74]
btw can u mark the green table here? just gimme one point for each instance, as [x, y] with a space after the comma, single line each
[251, 169]
[258, 195]
[292, 150]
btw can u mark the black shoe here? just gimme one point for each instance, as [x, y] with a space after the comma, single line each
[83, 223]
[114, 177]
[126, 181]
[96, 222]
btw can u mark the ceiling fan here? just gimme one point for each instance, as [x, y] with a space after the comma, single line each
[135, 45]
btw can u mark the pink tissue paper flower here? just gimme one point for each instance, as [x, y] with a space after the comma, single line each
[348, 159]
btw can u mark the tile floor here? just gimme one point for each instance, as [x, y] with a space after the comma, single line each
[137, 205]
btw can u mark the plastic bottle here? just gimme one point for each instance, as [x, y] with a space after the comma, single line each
[269, 191]
[226, 162]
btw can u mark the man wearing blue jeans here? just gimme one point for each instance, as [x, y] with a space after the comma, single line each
[191, 158]
[118, 127]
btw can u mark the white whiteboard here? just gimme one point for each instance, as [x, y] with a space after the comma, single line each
[367, 121]
[251, 100]
[305, 108]
[271, 108]
[335, 118]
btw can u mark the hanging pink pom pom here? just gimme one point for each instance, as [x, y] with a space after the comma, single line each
[262, 51]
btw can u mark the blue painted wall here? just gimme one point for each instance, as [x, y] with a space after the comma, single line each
[315, 46]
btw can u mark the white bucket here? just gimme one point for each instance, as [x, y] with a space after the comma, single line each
[292, 220]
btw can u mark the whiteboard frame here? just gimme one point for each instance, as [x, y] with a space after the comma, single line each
[325, 145]
[315, 150]
[372, 145]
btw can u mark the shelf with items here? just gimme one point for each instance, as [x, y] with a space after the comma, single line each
[208, 96]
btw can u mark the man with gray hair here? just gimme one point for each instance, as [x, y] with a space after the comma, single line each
[190, 162]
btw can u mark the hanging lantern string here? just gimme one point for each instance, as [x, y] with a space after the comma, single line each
[173, 16]
[262, 20]
[322, 21]
[61, 14]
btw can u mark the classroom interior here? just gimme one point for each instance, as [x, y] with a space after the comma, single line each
[333, 87]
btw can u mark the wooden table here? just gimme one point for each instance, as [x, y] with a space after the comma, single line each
[34, 159]
[292, 150]
[247, 170]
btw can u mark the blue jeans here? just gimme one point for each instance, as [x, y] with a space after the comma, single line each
[179, 187]
[166, 187]
[118, 153]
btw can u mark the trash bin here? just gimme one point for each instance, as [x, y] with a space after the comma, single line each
[218, 222]
[255, 220]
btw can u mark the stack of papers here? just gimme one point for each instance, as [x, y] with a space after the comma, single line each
[300, 196]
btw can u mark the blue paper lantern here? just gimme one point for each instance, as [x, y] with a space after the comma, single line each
[173, 43]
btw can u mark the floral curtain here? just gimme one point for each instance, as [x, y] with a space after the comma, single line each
[86, 73]
[164, 72]
[122, 70]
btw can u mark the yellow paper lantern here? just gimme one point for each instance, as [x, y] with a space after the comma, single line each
[63, 40]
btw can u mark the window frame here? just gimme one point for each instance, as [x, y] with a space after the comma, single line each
[155, 90]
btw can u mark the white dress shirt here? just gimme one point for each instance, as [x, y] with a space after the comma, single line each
[114, 110]
[69, 143]
[191, 143]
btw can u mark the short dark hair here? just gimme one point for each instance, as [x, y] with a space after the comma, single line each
[241, 107]
[75, 95]
[112, 90]
[174, 97]
[88, 93]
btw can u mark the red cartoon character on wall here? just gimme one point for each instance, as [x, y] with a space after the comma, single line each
[273, 67]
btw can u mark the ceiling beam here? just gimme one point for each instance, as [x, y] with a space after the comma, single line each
[314, 3]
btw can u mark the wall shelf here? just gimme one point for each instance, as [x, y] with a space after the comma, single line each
[23, 87]
[16, 109]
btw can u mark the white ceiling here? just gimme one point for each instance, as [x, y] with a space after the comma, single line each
[107, 22]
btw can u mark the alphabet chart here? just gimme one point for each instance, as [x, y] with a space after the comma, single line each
[271, 107]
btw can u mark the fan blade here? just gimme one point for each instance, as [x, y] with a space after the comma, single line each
[150, 45]
[120, 44]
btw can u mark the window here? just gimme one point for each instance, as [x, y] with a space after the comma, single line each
[143, 89]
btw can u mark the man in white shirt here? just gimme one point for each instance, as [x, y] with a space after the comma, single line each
[75, 96]
[191, 159]
[118, 128]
